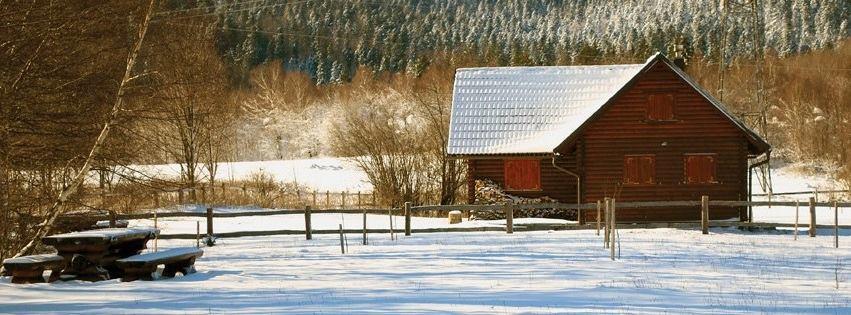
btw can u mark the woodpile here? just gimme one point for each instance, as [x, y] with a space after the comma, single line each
[489, 193]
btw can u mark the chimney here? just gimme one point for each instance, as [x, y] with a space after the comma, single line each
[678, 54]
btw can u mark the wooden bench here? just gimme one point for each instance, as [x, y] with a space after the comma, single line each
[30, 269]
[144, 265]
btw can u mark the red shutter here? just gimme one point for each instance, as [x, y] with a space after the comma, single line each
[522, 174]
[699, 168]
[639, 169]
[630, 170]
[660, 106]
[648, 170]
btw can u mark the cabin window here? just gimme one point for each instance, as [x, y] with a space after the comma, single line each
[660, 107]
[522, 174]
[700, 168]
[639, 169]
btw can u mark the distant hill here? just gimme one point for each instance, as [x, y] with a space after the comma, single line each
[329, 39]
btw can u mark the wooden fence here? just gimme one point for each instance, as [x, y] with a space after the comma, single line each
[243, 195]
[606, 218]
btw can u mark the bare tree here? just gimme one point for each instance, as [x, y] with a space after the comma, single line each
[77, 180]
[189, 115]
[433, 96]
[384, 141]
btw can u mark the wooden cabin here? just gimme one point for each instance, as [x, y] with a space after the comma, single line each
[636, 132]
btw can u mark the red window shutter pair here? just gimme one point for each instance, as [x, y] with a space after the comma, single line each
[700, 168]
[660, 106]
[522, 174]
[639, 169]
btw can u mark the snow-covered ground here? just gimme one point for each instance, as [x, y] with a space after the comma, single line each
[321, 174]
[791, 179]
[660, 271]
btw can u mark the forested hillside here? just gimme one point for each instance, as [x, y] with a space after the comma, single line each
[329, 39]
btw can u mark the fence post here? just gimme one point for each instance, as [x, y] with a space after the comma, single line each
[343, 202]
[359, 201]
[327, 199]
[509, 219]
[308, 233]
[407, 219]
[835, 225]
[704, 214]
[364, 226]
[210, 222]
[812, 217]
[203, 195]
[342, 245]
[197, 234]
[797, 206]
[156, 226]
[598, 217]
[390, 216]
[314, 198]
[608, 226]
[614, 228]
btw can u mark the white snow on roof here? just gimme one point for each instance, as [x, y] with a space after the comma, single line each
[506, 110]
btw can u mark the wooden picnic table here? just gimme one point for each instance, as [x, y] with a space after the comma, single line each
[91, 255]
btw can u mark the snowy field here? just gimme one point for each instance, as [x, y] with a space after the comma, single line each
[320, 174]
[789, 179]
[660, 271]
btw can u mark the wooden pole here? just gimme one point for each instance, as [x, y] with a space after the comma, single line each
[327, 199]
[308, 233]
[197, 234]
[203, 195]
[509, 219]
[797, 206]
[835, 225]
[812, 217]
[606, 213]
[599, 206]
[359, 201]
[390, 215]
[342, 245]
[704, 214]
[364, 227]
[314, 198]
[209, 222]
[343, 202]
[614, 228]
[156, 236]
[407, 219]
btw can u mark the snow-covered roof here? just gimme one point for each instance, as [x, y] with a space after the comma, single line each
[532, 110]
[513, 110]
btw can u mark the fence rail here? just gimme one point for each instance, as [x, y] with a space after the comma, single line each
[704, 204]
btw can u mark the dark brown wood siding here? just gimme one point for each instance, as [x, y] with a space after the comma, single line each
[698, 127]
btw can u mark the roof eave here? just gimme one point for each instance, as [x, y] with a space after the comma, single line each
[490, 156]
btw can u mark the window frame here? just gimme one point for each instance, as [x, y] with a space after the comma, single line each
[647, 104]
[653, 178]
[505, 175]
[714, 174]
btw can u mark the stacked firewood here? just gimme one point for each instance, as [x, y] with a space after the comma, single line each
[489, 193]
